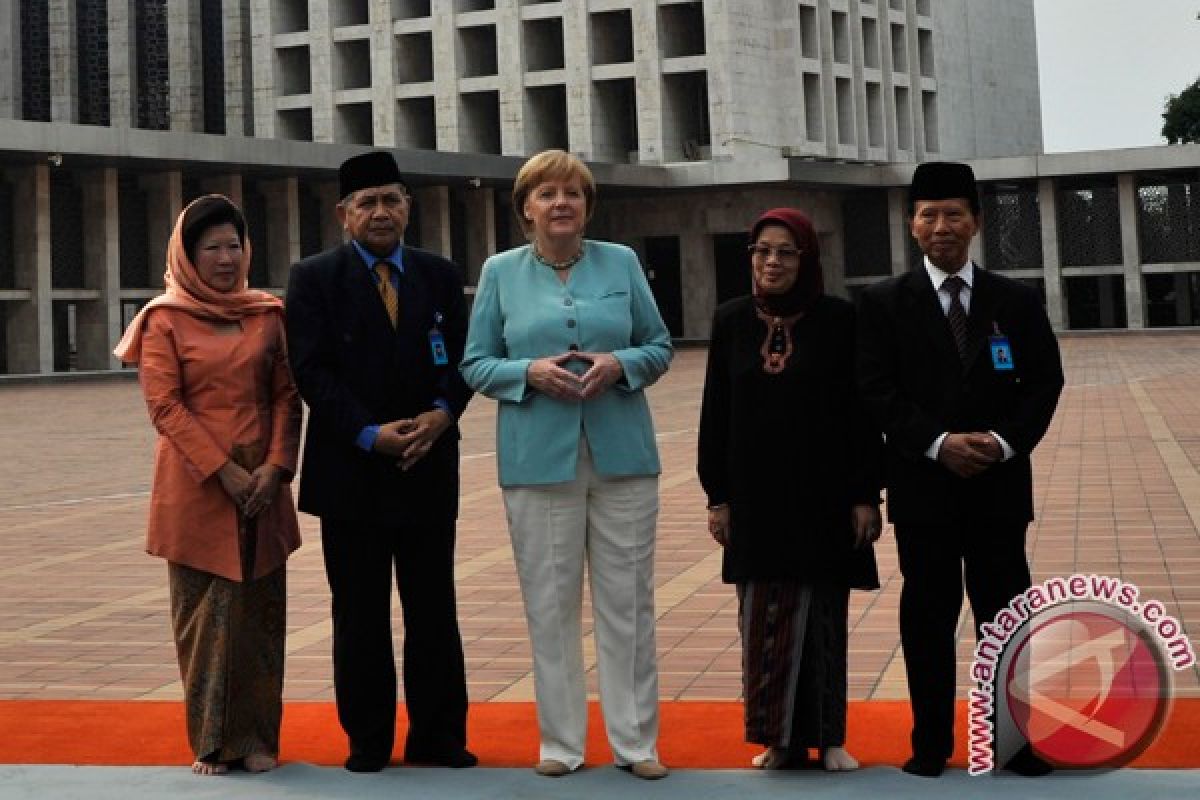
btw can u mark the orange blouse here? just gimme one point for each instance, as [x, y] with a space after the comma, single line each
[211, 387]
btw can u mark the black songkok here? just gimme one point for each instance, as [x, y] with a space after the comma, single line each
[943, 180]
[367, 171]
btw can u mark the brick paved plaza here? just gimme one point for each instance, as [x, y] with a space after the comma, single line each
[83, 610]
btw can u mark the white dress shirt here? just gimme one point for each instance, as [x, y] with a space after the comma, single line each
[937, 276]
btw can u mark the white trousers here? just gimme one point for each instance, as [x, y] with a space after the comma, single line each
[611, 523]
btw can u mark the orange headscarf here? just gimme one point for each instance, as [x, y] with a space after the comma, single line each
[186, 291]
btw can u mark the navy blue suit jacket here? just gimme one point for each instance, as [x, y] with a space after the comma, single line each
[354, 370]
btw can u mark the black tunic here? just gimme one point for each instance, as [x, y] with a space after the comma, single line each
[791, 453]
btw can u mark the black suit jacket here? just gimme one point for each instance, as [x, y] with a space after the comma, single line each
[915, 385]
[354, 370]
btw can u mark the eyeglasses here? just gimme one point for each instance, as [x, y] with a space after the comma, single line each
[783, 253]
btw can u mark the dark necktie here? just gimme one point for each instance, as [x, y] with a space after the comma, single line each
[956, 315]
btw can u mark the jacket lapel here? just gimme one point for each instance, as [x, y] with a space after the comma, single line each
[923, 302]
[983, 311]
[364, 297]
[414, 300]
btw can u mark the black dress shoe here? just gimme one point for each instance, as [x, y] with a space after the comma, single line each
[925, 767]
[454, 759]
[1027, 764]
[358, 762]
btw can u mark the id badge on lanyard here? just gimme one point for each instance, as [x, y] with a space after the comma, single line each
[1001, 349]
[437, 342]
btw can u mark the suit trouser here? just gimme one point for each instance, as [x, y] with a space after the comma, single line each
[359, 559]
[936, 560]
[611, 523]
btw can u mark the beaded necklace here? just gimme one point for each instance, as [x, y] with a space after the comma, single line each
[558, 266]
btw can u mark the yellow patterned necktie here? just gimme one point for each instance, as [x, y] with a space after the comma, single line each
[391, 302]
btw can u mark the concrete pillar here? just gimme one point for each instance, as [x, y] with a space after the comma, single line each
[861, 137]
[320, 55]
[10, 61]
[30, 322]
[239, 77]
[445, 84]
[920, 145]
[513, 140]
[99, 320]
[262, 54]
[829, 113]
[64, 70]
[1056, 306]
[164, 201]
[1135, 296]
[283, 227]
[649, 83]
[578, 71]
[481, 230]
[331, 229]
[383, 73]
[890, 133]
[1183, 300]
[698, 274]
[899, 232]
[435, 218]
[122, 63]
[721, 37]
[833, 263]
[228, 185]
[184, 65]
[1108, 316]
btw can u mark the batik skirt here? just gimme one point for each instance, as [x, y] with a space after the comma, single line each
[794, 662]
[229, 637]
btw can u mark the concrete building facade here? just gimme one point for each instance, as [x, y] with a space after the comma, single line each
[694, 115]
[642, 81]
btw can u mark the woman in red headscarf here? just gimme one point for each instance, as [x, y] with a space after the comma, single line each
[791, 470]
[213, 368]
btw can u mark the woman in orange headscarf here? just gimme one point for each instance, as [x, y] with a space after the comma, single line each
[213, 369]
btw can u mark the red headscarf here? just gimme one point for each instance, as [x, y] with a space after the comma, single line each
[809, 283]
[186, 291]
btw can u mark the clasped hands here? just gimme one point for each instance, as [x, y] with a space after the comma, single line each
[551, 377]
[253, 491]
[410, 440]
[968, 454]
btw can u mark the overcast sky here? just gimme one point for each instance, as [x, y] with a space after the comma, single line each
[1107, 67]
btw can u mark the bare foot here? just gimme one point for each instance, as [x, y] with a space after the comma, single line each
[771, 758]
[209, 768]
[259, 762]
[838, 760]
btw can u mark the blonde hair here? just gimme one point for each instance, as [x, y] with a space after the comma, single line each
[551, 165]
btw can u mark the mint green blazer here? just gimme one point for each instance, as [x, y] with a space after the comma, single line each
[523, 312]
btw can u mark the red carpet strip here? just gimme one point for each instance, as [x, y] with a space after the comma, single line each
[694, 735]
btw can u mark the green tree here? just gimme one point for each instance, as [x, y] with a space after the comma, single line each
[1181, 116]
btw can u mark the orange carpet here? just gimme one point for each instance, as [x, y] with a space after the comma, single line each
[694, 735]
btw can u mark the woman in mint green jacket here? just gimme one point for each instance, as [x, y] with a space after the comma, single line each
[566, 336]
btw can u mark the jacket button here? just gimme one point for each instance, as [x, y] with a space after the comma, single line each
[568, 301]
[570, 323]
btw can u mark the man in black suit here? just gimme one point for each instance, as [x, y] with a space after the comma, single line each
[375, 333]
[962, 371]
